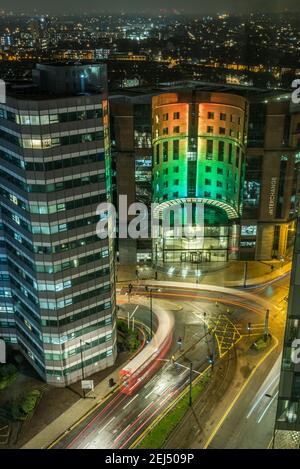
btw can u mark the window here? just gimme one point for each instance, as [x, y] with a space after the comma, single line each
[210, 115]
[210, 129]
[232, 133]
[207, 194]
[221, 151]
[16, 219]
[176, 115]
[166, 184]
[222, 130]
[166, 171]
[230, 153]
[209, 149]
[237, 161]
[219, 171]
[218, 196]
[176, 129]
[207, 169]
[176, 182]
[219, 184]
[165, 117]
[157, 154]
[207, 182]
[175, 149]
[222, 116]
[165, 151]
[165, 131]
[175, 194]
[176, 169]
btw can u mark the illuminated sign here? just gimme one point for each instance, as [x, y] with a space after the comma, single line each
[249, 230]
[272, 196]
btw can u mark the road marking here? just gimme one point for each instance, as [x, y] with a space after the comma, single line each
[106, 425]
[267, 408]
[123, 431]
[262, 395]
[150, 403]
[128, 403]
[241, 390]
[151, 392]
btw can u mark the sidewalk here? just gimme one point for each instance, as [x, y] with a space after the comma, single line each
[230, 274]
[69, 418]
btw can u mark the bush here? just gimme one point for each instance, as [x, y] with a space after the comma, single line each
[8, 374]
[130, 337]
[122, 326]
[30, 401]
[133, 343]
[20, 409]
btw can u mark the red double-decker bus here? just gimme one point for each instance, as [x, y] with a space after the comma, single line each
[143, 366]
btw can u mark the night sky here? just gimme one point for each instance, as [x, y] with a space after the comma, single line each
[138, 6]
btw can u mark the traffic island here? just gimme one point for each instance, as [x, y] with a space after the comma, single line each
[172, 416]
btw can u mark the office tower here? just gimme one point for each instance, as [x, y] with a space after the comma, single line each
[287, 427]
[57, 276]
[199, 143]
[272, 184]
[131, 133]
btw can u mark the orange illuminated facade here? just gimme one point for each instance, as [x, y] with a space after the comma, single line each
[199, 141]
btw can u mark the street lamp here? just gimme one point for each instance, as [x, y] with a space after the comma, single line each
[191, 380]
[82, 344]
[245, 273]
[149, 290]
[198, 272]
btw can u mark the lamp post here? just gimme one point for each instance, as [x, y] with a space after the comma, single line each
[245, 273]
[191, 378]
[82, 343]
[148, 289]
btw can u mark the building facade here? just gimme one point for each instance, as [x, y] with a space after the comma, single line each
[272, 184]
[57, 276]
[199, 144]
[287, 427]
[131, 137]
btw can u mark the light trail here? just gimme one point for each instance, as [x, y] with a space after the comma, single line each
[130, 402]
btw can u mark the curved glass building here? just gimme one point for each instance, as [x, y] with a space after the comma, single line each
[199, 141]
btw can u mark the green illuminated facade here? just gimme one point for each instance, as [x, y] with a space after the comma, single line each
[199, 141]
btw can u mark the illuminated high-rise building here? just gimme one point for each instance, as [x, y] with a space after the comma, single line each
[287, 425]
[57, 297]
[199, 141]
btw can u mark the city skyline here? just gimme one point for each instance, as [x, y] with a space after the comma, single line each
[157, 7]
[149, 227]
